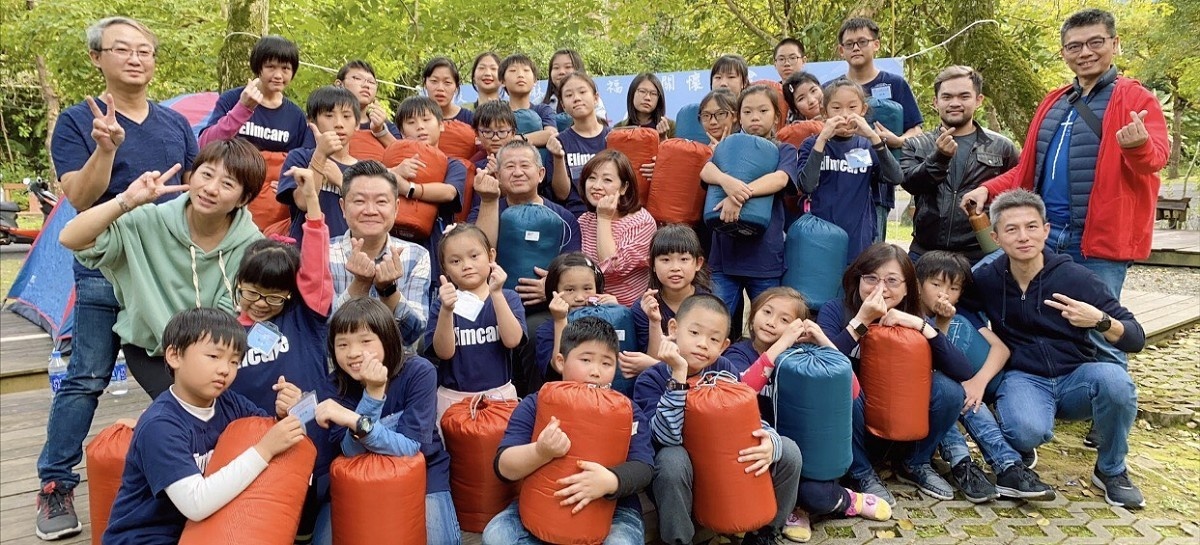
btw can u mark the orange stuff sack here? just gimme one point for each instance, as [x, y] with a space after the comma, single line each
[264, 208]
[896, 369]
[640, 145]
[472, 430]
[414, 218]
[796, 133]
[268, 511]
[105, 465]
[599, 422]
[468, 192]
[365, 147]
[719, 417]
[457, 140]
[378, 499]
[783, 105]
[676, 195]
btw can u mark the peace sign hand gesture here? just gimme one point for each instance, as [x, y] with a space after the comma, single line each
[150, 186]
[1134, 134]
[107, 133]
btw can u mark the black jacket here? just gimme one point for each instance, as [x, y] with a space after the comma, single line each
[939, 224]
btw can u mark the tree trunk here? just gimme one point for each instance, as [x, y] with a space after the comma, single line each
[1008, 78]
[246, 22]
[1178, 107]
[53, 104]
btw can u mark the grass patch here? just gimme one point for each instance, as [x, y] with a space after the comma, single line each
[1007, 513]
[927, 531]
[898, 232]
[10, 265]
[1054, 513]
[965, 512]
[1170, 531]
[922, 513]
[1031, 530]
[840, 532]
[1101, 513]
[1077, 531]
[980, 530]
[1123, 531]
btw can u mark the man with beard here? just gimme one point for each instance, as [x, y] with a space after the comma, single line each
[940, 166]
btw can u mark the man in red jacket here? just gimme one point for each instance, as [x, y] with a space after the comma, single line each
[1093, 153]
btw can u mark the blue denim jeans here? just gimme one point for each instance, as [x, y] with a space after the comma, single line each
[985, 430]
[729, 288]
[945, 402]
[94, 349]
[507, 529]
[1111, 273]
[441, 522]
[1028, 404]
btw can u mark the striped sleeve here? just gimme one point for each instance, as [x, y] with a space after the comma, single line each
[667, 423]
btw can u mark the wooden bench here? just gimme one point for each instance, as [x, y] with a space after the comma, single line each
[1173, 210]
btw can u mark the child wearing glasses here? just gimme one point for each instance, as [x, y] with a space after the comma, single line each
[646, 105]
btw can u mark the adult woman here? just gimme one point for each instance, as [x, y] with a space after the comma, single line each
[616, 229]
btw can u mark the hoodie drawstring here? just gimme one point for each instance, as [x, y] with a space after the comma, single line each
[224, 277]
[195, 276]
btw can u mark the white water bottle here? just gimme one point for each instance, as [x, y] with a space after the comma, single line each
[118, 384]
[57, 369]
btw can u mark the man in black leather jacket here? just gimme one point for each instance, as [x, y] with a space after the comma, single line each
[942, 165]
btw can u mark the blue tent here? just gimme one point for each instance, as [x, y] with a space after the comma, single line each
[44, 290]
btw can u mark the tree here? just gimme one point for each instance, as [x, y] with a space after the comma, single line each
[246, 22]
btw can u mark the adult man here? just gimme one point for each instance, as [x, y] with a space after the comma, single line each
[99, 147]
[1043, 306]
[367, 261]
[940, 166]
[858, 41]
[789, 58]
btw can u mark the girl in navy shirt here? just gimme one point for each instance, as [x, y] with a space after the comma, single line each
[842, 163]
[647, 106]
[751, 264]
[572, 281]
[474, 323]
[441, 81]
[574, 147]
[394, 398]
[485, 77]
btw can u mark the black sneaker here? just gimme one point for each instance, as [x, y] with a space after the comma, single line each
[56, 517]
[927, 480]
[1029, 459]
[1092, 439]
[972, 482]
[1118, 490]
[764, 536]
[1019, 481]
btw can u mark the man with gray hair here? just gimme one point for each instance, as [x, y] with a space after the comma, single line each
[1044, 306]
[99, 147]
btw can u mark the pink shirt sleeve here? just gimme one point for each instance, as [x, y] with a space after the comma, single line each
[314, 279]
[227, 127]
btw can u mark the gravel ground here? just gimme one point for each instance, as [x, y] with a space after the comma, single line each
[1171, 280]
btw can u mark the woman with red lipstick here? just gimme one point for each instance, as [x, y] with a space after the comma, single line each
[485, 77]
[616, 228]
[441, 82]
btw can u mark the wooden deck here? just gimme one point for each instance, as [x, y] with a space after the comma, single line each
[1172, 247]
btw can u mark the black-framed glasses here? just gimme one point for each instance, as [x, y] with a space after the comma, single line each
[790, 59]
[252, 296]
[719, 115]
[860, 43]
[498, 134]
[874, 280]
[125, 52]
[1094, 44]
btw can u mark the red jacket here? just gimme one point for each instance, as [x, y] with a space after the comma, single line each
[1120, 215]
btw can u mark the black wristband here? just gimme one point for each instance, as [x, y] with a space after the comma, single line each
[387, 291]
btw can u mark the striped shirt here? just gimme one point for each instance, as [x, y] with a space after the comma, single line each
[412, 313]
[626, 272]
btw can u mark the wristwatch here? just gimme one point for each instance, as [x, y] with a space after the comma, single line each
[860, 328]
[1104, 324]
[386, 291]
[362, 428]
[674, 385]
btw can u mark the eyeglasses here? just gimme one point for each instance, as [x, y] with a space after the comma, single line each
[125, 52]
[790, 59]
[873, 280]
[498, 134]
[648, 93]
[719, 115]
[253, 296]
[1094, 44]
[364, 81]
[860, 43]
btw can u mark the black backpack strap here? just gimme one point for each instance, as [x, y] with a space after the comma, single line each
[1085, 113]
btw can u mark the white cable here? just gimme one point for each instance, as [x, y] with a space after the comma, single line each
[325, 68]
[951, 38]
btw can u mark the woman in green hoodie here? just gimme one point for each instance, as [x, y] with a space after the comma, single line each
[165, 258]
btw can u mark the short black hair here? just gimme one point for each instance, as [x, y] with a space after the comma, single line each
[241, 160]
[586, 329]
[793, 82]
[194, 325]
[441, 62]
[706, 301]
[788, 41]
[566, 261]
[274, 48]
[415, 106]
[271, 264]
[368, 168]
[856, 23]
[356, 64]
[730, 63]
[1089, 17]
[949, 265]
[517, 58]
[370, 314]
[491, 114]
[326, 98]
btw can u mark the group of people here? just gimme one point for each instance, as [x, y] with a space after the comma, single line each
[388, 326]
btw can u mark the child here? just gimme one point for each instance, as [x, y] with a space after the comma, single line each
[943, 276]
[495, 125]
[751, 264]
[472, 351]
[358, 77]
[563, 63]
[259, 111]
[394, 400]
[333, 115]
[842, 162]
[164, 258]
[718, 114]
[789, 58]
[485, 76]
[572, 282]
[163, 485]
[519, 75]
[802, 91]
[729, 72]
[616, 229]
[574, 147]
[698, 335]
[588, 354]
[646, 105]
[441, 81]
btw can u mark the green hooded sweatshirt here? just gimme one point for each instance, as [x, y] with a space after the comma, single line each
[157, 272]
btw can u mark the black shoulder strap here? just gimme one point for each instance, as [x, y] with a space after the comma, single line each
[1085, 112]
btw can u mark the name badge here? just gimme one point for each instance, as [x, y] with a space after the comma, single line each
[859, 158]
[306, 408]
[882, 92]
[468, 306]
[263, 337]
[532, 236]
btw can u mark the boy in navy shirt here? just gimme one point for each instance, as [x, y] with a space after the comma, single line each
[164, 484]
[698, 336]
[258, 111]
[519, 74]
[588, 353]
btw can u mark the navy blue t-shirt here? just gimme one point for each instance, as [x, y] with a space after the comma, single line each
[270, 129]
[741, 354]
[169, 444]
[464, 115]
[299, 355]
[520, 432]
[480, 362]
[758, 257]
[579, 150]
[843, 195]
[889, 86]
[1056, 171]
[159, 141]
[329, 197]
